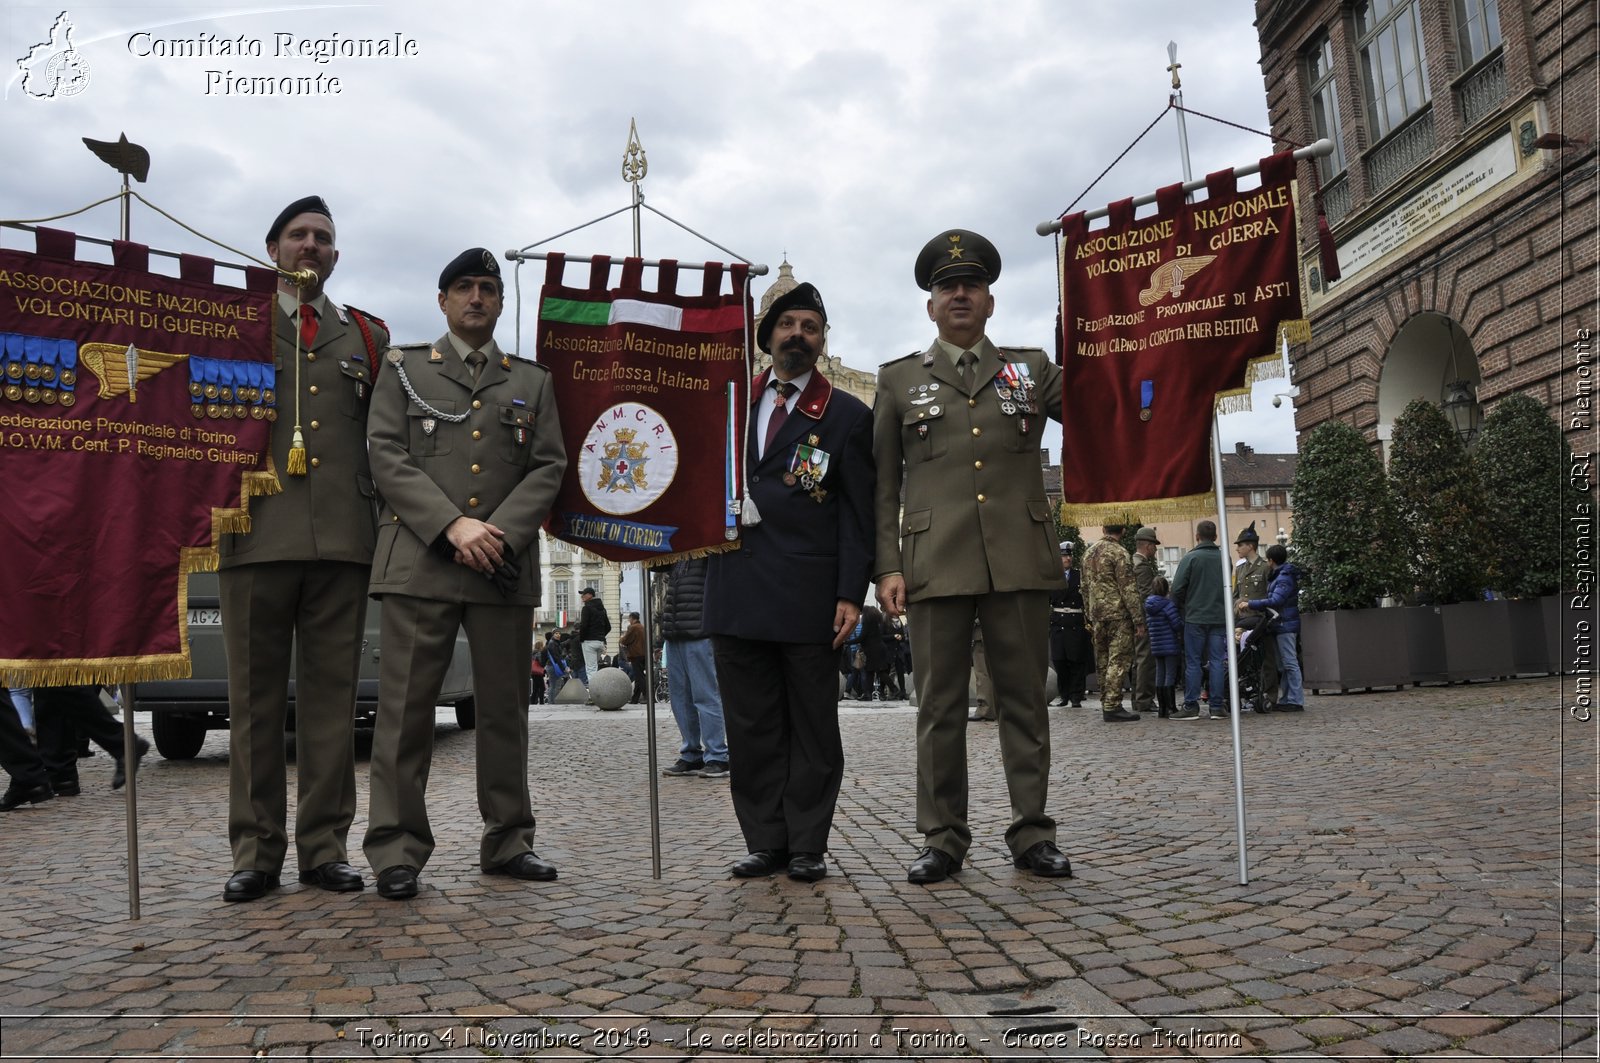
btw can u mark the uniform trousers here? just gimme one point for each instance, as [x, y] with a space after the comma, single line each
[419, 636]
[780, 703]
[317, 610]
[1016, 638]
[1144, 674]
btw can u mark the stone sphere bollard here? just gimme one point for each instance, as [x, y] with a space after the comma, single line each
[609, 688]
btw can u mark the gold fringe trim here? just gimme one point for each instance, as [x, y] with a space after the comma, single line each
[108, 670]
[1267, 367]
[659, 560]
[1148, 510]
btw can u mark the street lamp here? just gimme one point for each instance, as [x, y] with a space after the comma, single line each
[1277, 400]
[1283, 537]
[1460, 404]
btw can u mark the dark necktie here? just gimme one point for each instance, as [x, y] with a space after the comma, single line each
[780, 412]
[476, 360]
[308, 325]
[969, 373]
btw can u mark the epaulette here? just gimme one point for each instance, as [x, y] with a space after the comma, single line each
[374, 318]
[903, 357]
[1020, 350]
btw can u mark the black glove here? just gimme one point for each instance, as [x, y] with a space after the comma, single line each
[443, 547]
[507, 574]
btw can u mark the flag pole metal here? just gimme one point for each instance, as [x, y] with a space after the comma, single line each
[1318, 150]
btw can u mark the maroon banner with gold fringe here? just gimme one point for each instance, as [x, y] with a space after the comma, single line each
[1165, 319]
[648, 384]
[134, 424]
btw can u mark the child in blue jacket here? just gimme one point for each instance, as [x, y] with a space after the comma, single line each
[1165, 628]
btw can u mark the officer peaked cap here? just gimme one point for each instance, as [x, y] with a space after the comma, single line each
[473, 262]
[303, 205]
[957, 253]
[803, 296]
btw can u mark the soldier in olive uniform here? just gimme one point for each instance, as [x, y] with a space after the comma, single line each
[468, 455]
[1145, 572]
[1116, 617]
[959, 427]
[298, 579]
[1252, 578]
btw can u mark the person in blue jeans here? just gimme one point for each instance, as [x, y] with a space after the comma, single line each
[1165, 628]
[1197, 590]
[692, 675]
[1283, 595]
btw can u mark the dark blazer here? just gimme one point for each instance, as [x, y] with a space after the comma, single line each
[785, 578]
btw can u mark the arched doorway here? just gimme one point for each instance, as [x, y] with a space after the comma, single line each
[1431, 358]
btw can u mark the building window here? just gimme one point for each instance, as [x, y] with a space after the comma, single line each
[563, 595]
[1324, 93]
[1479, 24]
[1172, 554]
[1389, 36]
[1288, 500]
[1258, 499]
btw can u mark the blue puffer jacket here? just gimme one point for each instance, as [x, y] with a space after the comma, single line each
[1284, 596]
[1164, 626]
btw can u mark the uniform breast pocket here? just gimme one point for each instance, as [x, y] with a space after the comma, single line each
[924, 434]
[516, 429]
[356, 388]
[429, 435]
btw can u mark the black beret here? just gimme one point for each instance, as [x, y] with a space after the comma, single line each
[473, 262]
[803, 296]
[304, 205]
[957, 253]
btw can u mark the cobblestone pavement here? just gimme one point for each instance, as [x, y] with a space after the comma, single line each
[1422, 885]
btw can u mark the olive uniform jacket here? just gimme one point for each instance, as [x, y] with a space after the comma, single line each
[325, 515]
[502, 463]
[976, 515]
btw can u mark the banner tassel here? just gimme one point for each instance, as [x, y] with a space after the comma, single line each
[297, 455]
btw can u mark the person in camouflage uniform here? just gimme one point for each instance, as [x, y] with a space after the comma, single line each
[1145, 571]
[1252, 579]
[1116, 617]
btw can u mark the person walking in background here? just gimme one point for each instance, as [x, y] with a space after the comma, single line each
[692, 674]
[1070, 650]
[1165, 629]
[1283, 596]
[632, 649]
[1197, 592]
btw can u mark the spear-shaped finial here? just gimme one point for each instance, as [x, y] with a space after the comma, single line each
[634, 164]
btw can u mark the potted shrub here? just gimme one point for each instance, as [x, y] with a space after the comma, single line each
[1524, 463]
[1447, 546]
[1344, 525]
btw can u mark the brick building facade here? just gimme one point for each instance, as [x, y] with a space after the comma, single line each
[1461, 196]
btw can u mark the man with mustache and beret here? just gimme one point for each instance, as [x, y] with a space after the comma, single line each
[779, 606]
[959, 427]
[298, 579]
[467, 454]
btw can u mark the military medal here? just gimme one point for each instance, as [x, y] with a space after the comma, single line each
[1008, 408]
[428, 425]
[789, 479]
[809, 465]
[1147, 392]
[922, 430]
[818, 493]
[68, 398]
[48, 396]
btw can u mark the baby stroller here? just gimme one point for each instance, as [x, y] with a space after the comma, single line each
[1252, 632]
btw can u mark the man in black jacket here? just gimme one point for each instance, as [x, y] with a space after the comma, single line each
[593, 626]
[692, 674]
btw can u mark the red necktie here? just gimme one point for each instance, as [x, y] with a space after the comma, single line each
[780, 411]
[308, 325]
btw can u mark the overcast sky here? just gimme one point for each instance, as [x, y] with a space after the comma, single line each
[841, 134]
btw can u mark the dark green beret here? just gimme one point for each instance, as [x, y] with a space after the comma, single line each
[473, 262]
[803, 296]
[957, 253]
[304, 205]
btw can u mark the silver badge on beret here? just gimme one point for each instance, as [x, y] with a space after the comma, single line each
[489, 263]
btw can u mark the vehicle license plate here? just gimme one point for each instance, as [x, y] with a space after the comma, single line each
[205, 617]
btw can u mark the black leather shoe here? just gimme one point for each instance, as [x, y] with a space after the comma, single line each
[249, 885]
[1120, 715]
[66, 787]
[807, 867]
[934, 865]
[335, 876]
[119, 777]
[1045, 860]
[398, 883]
[525, 866]
[16, 796]
[759, 864]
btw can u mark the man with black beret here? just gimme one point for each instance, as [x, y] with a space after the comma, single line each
[297, 580]
[779, 606]
[959, 427]
[467, 455]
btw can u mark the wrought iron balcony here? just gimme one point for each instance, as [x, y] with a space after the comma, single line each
[1401, 151]
[1483, 90]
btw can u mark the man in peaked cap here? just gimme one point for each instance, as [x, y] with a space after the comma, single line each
[467, 455]
[1252, 578]
[779, 606]
[298, 579]
[959, 426]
